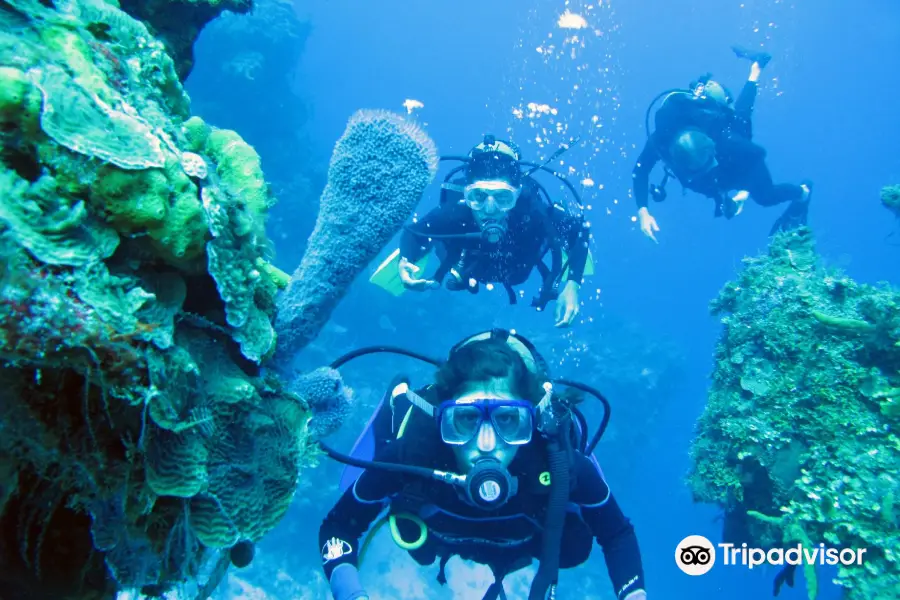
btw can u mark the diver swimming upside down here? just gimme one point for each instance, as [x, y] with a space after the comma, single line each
[703, 136]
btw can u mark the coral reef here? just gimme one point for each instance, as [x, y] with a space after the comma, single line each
[890, 198]
[379, 169]
[800, 430]
[245, 54]
[139, 439]
[177, 23]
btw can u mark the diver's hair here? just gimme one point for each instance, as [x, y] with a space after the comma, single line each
[483, 361]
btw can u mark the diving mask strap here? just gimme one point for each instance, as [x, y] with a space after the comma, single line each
[414, 399]
[544, 404]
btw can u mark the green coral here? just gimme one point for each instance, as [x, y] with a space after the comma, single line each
[196, 131]
[164, 203]
[276, 275]
[793, 533]
[844, 324]
[176, 462]
[82, 122]
[20, 100]
[55, 229]
[134, 446]
[819, 446]
[239, 171]
[232, 263]
[890, 198]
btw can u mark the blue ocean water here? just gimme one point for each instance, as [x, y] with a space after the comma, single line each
[826, 112]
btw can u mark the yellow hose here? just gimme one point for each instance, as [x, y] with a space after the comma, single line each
[395, 533]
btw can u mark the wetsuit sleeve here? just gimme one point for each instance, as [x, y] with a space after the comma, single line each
[611, 528]
[576, 235]
[443, 220]
[743, 106]
[343, 528]
[414, 246]
[641, 173]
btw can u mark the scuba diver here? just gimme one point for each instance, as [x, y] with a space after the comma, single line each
[495, 225]
[704, 139]
[489, 463]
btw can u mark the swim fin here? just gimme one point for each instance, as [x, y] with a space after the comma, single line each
[795, 215]
[762, 58]
[588, 266]
[387, 275]
[785, 576]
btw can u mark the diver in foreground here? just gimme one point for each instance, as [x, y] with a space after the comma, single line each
[703, 137]
[489, 463]
[495, 225]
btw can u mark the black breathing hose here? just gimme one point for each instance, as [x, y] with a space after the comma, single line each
[551, 541]
[342, 360]
[368, 464]
[606, 411]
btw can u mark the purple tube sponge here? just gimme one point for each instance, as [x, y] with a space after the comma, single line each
[379, 169]
[328, 399]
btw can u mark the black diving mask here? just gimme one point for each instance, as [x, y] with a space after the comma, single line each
[496, 195]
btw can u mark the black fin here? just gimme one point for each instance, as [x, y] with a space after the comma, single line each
[762, 58]
[786, 575]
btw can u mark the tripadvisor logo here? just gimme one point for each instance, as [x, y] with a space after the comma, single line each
[696, 555]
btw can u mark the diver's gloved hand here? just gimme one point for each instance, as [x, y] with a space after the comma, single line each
[345, 583]
[567, 304]
[648, 223]
[407, 271]
[636, 595]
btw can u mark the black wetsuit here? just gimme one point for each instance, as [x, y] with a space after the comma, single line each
[742, 163]
[506, 539]
[533, 228]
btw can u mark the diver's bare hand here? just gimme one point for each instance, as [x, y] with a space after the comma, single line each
[407, 271]
[648, 223]
[567, 304]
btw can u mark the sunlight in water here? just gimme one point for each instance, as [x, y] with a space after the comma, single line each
[569, 20]
[410, 105]
[566, 93]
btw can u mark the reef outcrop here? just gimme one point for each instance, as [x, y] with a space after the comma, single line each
[799, 440]
[140, 440]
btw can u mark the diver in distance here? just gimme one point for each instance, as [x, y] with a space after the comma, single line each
[703, 136]
[495, 224]
[491, 463]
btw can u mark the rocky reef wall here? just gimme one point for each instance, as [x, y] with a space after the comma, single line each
[799, 440]
[141, 442]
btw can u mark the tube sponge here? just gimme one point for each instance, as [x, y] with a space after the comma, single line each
[329, 400]
[379, 169]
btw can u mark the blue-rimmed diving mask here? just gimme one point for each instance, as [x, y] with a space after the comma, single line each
[461, 420]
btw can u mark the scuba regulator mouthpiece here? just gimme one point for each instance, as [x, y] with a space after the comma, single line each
[492, 231]
[489, 485]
